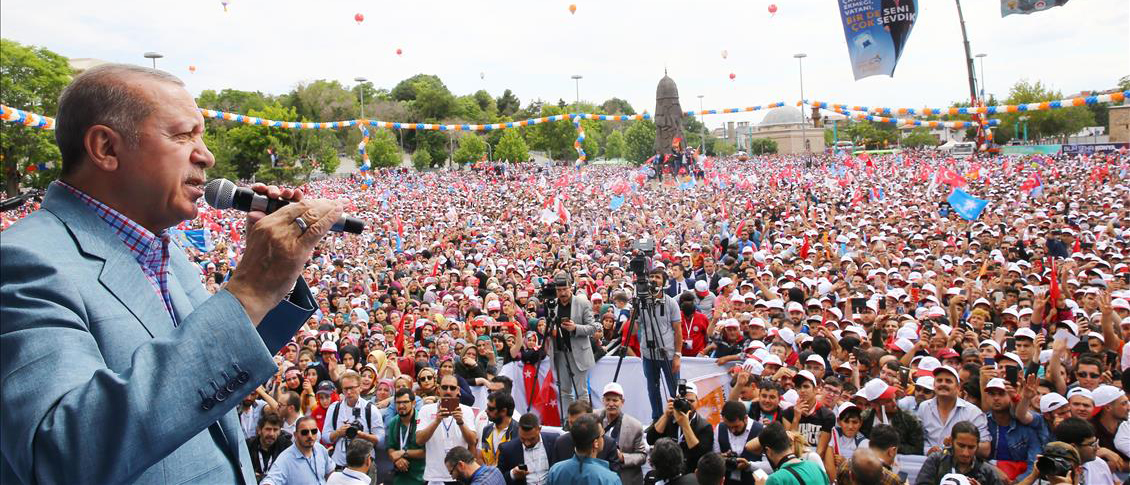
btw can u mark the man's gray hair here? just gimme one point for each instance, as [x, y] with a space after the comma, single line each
[103, 95]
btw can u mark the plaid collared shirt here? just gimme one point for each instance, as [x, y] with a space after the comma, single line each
[150, 250]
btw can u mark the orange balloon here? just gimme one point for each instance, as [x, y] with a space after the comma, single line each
[573, 8]
[192, 69]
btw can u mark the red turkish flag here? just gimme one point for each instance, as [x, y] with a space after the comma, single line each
[545, 403]
[530, 378]
[804, 248]
[1054, 290]
[949, 177]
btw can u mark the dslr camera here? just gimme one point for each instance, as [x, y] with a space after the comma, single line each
[1053, 466]
[681, 404]
[355, 426]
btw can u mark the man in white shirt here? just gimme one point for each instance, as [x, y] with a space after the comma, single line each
[443, 428]
[1080, 434]
[251, 408]
[352, 418]
[938, 415]
[358, 459]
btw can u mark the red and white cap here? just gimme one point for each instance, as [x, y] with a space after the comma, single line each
[876, 389]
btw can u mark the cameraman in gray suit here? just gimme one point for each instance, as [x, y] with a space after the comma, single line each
[571, 324]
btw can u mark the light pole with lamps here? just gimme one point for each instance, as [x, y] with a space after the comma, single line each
[982, 56]
[153, 56]
[577, 78]
[803, 119]
[702, 117]
[361, 89]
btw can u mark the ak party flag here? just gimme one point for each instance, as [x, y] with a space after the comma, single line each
[876, 32]
[966, 206]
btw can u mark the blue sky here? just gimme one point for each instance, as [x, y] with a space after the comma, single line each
[620, 46]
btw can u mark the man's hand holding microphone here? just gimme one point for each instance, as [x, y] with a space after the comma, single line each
[278, 245]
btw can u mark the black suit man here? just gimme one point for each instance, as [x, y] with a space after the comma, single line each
[540, 449]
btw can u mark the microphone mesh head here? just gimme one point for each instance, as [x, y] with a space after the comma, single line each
[219, 193]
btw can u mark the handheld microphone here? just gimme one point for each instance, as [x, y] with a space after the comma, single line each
[223, 194]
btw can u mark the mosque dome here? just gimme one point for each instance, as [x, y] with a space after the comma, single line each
[784, 115]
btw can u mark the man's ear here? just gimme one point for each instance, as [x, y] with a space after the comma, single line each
[101, 143]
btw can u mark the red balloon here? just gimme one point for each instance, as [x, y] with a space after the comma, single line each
[398, 52]
[732, 76]
[772, 8]
[359, 18]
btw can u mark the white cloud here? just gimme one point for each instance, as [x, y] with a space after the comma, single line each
[620, 47]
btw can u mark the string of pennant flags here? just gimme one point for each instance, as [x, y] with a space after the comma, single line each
[1115, 97]
[874, 114]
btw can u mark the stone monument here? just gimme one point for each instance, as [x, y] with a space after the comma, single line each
[668, 115]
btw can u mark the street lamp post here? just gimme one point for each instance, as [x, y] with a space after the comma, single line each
[981, 56]
[702, 117]
[361, 89]
[803, 120]
[153, 56]
[577, 78]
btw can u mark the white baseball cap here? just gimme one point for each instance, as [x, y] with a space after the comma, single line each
[613, 388]
[1051, 401]
[926, 382]
[996, 383]
[1106, 394]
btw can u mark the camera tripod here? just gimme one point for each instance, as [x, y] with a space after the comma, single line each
[643, 302]
[561, 342]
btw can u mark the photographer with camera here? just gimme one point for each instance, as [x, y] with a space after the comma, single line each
[735, 430]
[658, 319]
[351, 418]
[570, 323]
[683, 424]
[1058, 464]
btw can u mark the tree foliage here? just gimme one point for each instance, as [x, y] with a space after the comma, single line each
[617, 106]
[918, 138]
[614, 146]
[1056, 123]
[31, 78]
[382, 149]
[508, 104]
[422, 160]
[640, 140]
[471, 149]
[512, 147]
[554, 138]
[722, 148]
[762, 146]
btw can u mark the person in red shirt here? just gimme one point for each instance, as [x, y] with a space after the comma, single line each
[696, 327]
[327, 394]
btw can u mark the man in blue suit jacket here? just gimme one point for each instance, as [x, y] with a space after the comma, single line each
[513, 453]
[118, 366]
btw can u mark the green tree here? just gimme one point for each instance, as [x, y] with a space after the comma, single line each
[248, 145]
[919, 137]
[508, 103]
[762, 146]
[422, 160]
[31, 79]
[617, 106]
[471, 149]
[614, 146]
[512, 147]
[435, 142]
[382, 149]
[467, 110]
[555, 138]
[692, 132]
[640, 140]
[406, 90]
[724, 149]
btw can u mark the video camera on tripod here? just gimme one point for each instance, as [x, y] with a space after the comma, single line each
[642, 252]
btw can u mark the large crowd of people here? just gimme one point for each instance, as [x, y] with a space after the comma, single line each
[861, 320]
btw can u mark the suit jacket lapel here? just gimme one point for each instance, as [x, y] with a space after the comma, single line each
[121, 273]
